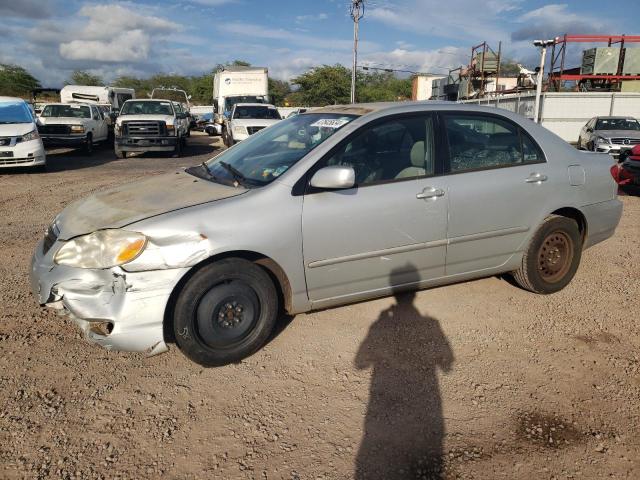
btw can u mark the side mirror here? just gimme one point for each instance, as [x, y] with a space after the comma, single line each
[334, 178]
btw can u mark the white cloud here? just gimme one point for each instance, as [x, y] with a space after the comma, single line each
[107, 21]
[307, 18]
[212, 3]
[131, 46]
[556, 19]
[291, 38]
[459, 19]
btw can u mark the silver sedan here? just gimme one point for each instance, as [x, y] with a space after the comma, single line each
[333, 206]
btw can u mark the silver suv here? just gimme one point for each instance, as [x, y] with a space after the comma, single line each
[338, 205]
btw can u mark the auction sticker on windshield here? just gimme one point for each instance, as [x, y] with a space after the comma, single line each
[330, 122]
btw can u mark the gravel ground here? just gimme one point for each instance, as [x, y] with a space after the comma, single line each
[476, 380]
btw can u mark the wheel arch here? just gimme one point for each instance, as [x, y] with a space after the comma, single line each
[273, 269]
[574, 214]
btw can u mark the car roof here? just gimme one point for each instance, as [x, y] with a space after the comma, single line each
[366, 108]
[70, 103]
[627, 117]
[11, 99]
[149, 100]
[268, 105]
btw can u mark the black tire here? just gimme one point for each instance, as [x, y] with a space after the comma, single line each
[88, 144]
[209, 131]
[225, 312]
[120, 153]
[552, 257]
[177, 150]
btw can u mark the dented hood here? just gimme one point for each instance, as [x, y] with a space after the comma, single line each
[132, 202]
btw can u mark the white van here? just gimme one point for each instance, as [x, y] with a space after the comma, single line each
[20, 143]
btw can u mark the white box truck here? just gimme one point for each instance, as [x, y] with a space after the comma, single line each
[233, 85]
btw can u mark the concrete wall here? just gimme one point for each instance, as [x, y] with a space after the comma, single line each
[565, 113]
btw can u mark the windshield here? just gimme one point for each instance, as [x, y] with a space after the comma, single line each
[145, 107]
[617, 124]
[266, 155]
[15, 112]
[71, 111]
[255, 111]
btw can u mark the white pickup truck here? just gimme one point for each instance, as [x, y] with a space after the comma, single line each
[247, 119]
[151, 125]
[72, 125]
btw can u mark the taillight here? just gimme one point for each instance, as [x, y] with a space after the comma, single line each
[620, 175]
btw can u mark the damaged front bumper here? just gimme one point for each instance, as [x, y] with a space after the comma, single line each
[116, 309]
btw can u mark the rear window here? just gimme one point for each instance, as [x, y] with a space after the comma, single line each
[256, 111]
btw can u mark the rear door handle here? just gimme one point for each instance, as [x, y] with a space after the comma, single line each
[536, 178]
[430, 192]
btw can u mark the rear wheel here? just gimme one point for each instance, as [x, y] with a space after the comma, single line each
[225, 312]
[552, 258]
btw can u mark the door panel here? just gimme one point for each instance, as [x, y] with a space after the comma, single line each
[354, 239]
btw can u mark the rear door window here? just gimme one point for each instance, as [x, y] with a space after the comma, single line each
[479, 142]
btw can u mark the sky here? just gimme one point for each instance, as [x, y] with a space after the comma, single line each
[51, 38]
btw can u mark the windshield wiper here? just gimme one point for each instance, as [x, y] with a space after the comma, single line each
[202, 171]
[237, 175]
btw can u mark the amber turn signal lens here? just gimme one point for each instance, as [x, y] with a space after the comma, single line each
[131, 251]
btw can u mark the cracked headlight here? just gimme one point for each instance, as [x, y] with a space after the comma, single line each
[101, 249]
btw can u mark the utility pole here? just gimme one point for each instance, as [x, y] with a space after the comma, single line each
[357, 12]
[543, 55]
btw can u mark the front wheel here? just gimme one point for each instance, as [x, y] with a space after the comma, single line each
[552, 257]
[120, 153]
[88, 145]
[225, 312]
[177, 150]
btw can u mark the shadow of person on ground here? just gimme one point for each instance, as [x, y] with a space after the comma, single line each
[404, 427]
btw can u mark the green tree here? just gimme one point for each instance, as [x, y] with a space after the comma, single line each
[325, 85]
[82, 77]
[278, 91]
[15, 81]
[382, 87]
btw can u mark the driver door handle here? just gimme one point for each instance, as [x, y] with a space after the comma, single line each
[536, 178]
[430, 192]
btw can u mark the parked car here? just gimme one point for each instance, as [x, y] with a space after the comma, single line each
[72, 125]
[609, 134]
[338, 205]
[149, 126]
[20, 143]
[247, 119]
[627, 171]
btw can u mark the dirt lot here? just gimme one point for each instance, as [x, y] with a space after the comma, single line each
[494, 381]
